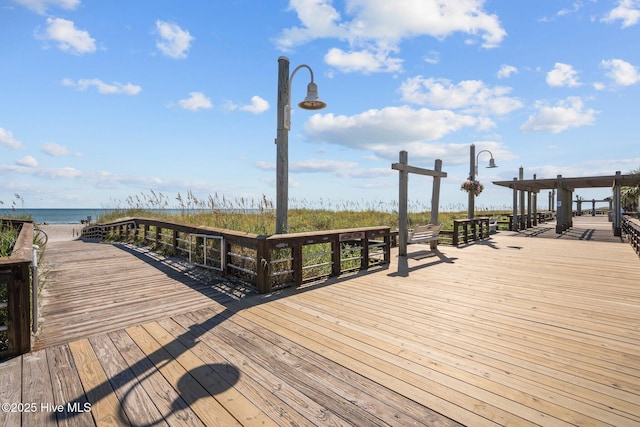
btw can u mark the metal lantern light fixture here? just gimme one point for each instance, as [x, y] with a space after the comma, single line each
[312, 100]
[492, 162]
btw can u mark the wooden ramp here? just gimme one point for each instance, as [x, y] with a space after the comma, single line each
[513, 331]
[99, 287]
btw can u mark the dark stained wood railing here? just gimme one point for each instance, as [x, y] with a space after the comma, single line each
[267, 262]
[15, 284]
[465, 230]
[631, 227]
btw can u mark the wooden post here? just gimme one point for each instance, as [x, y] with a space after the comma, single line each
[472, 176]
[560, 210]
[403, 167]
[296, 254]
[402, 208]
[435, 200]
[456, 229]
[174, 242]
[336, 256]
[535, 205]
[282, 148]
[523, 222]
[263, 261]
[18, 309]
[529, 209]
[364, 260]
[617, 206]
[514, 220]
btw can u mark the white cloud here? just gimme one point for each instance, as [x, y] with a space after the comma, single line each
[621, 72]
[57, 150]
[7, 140]
[627, 11]
[364, 61]
[311, 166]
[472, 96]
[319, 20]
[174, 42]
[24, 167]
[41, 6]
[27, 161]
[69, 38]
[433, 58]
[389, 127]
[506, 71]
[196, 101]
[104, 88]
[258, 105]
[321, 165]
[562, 75]
[66, 172]
[566, 114]
[374, 28]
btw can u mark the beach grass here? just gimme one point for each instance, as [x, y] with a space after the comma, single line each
[259, 216]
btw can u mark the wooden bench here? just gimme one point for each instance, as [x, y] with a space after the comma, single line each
[493, 225]
[424, 233]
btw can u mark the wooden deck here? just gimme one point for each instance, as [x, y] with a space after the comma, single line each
[516, 331]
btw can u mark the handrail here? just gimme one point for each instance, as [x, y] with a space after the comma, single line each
[472, 229]
[268, 262]
[631, 227]
[14, 274]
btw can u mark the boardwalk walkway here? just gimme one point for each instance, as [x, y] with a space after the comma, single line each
[516, 331]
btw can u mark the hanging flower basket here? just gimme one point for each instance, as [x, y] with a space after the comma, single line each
[472, 186]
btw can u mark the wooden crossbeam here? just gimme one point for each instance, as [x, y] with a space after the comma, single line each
[419, 171]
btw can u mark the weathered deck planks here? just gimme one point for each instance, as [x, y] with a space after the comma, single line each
[513, 331]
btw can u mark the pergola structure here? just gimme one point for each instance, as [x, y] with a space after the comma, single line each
[593, 202]
[564, 188]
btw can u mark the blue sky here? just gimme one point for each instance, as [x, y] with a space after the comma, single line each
[102, 100]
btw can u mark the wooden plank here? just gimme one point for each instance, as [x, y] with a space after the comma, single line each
[207, 408]
[10, 394]
[217, 379]
[105, 407]
[305, 370]
[67, 389]
[460, 390]
[443, 328]
[395, 378]
[276, 398]
[36, 388]
[168, 402]
[530, 379]
[136, 403]
[123, 291]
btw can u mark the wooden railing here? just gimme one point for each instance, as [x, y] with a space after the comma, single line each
[267, 262]
[527, 221]
[15, 306]
[465, 230]
[631, 227]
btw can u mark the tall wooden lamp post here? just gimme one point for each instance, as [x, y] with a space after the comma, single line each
[473, 171]
[311, 102]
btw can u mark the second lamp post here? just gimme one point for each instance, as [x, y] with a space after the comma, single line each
[473, 171]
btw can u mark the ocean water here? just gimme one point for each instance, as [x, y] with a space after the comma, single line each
[56, 216]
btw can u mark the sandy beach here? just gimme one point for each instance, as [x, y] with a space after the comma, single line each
[61, 232]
